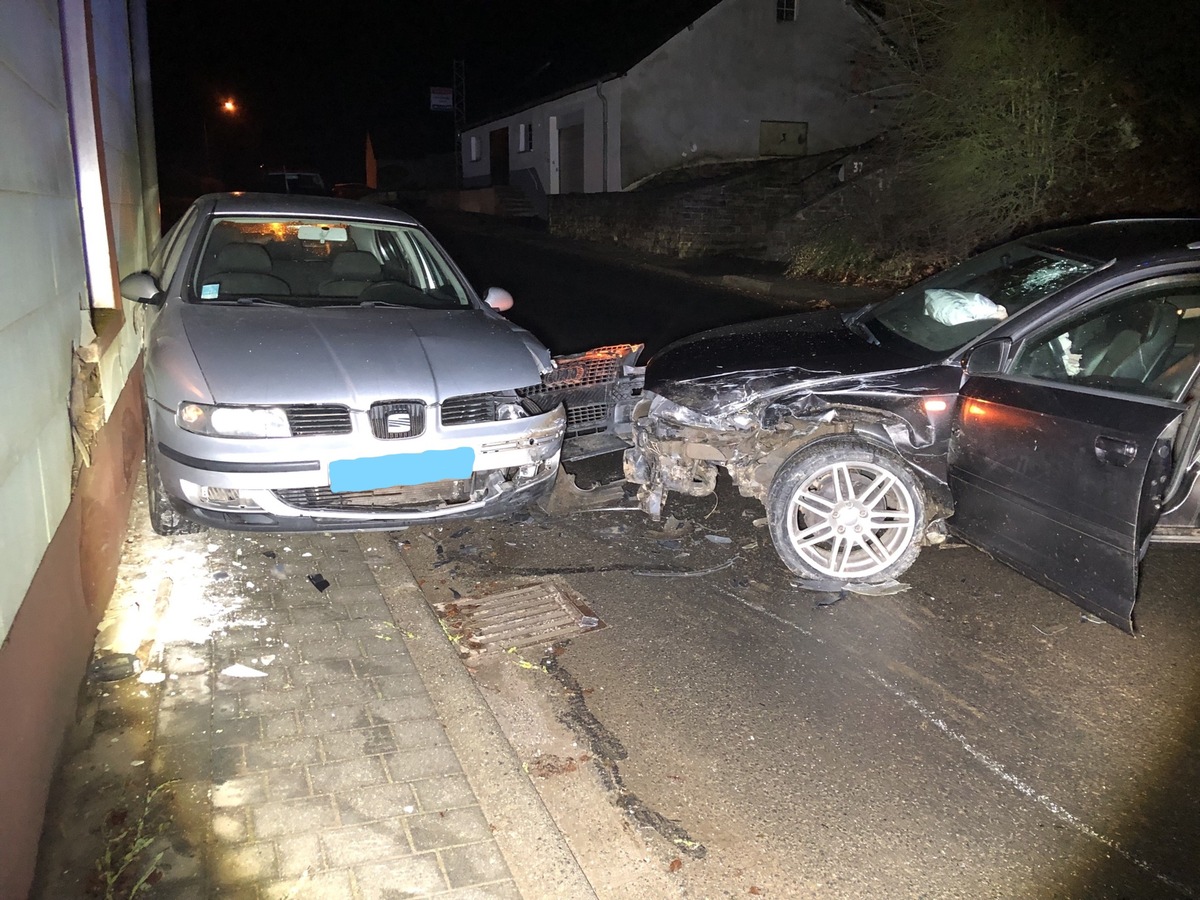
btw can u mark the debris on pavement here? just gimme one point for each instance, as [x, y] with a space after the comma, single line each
[568, 497]
[318, 581]
[115, 667]
[718, 539]
[683, 573]
[238, 670]
[830, 586]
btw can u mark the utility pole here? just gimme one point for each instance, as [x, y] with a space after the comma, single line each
[460, 116]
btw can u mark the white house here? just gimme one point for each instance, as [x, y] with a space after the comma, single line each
[78, 209]
[747, 79]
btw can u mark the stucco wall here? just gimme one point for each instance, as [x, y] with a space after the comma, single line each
[44, 283]
[703, 94]
[44, 292]
[58, 548]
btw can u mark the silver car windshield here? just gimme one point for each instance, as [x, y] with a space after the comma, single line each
[947, 310]
[322, 262]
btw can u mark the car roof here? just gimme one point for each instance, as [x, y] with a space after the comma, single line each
[1122, 239]
[249, 203]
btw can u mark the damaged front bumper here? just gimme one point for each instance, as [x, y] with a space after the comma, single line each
[676, 448]
[288, 486]
[670, 455]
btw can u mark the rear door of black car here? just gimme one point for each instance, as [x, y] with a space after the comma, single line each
[1059, 463]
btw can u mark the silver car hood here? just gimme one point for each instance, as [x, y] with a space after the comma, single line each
[356, 355]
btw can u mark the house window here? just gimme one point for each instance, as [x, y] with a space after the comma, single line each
[785, 10]
[474, 151]
[525, 137]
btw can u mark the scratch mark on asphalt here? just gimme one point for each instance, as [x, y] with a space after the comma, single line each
[994, 766]
[607, 751]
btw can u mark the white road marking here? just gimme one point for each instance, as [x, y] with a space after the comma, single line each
[996, 768]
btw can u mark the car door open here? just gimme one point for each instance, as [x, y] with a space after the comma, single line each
[1064, 488]
[1059, 462]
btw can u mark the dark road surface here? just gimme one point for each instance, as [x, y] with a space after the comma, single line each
[969, 737]
[574, 302]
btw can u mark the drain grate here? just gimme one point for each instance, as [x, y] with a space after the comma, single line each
[537, 615]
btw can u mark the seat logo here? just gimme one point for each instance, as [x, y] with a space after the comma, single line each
[399, 423]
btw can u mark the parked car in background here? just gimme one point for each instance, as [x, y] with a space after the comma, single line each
[352, 190]
[293, 181]
[1037, 401]
[317, 364]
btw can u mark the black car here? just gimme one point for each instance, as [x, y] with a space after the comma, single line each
[1036, 401]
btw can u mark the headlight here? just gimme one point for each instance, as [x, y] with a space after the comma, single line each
[509, 408]
[233, 421]
[506, 410]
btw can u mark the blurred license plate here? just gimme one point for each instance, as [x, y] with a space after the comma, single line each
[400, 469]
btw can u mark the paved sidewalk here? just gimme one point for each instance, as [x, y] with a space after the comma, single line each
[283, 741]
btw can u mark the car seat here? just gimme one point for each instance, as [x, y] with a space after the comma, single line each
[245, 268]
[352, 271]
[1154, 343]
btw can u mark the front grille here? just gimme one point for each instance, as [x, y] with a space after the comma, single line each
[579, 372]
[589, 385]
[397, 419]
[587, 418]
[318, 419]
[408, 498]
[469, 409]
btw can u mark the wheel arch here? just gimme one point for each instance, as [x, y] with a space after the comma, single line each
[872, 433]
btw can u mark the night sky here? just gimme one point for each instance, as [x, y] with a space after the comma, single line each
[311, 79]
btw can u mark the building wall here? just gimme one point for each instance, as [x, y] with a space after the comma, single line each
[703, 94]
[59, 544]
[533, 171]
[40, 303]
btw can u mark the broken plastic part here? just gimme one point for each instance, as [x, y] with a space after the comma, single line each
[115, 667]
[318, 581]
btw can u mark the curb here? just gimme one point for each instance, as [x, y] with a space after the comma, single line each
[539, 858]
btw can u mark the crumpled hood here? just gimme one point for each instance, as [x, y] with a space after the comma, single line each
[356, 355]
[728, 368]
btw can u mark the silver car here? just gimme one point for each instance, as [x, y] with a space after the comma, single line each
[316, 364]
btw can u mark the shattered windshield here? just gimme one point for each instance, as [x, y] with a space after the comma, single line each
[950, 309]
[319, 262]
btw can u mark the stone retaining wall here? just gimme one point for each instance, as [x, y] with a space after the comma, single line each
[756, 212]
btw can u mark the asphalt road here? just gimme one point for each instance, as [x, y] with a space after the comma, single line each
[575, 300]
[972, 736]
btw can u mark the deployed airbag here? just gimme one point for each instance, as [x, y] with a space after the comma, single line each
[951, 307]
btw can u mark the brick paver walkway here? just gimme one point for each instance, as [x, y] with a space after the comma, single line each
[301, 753]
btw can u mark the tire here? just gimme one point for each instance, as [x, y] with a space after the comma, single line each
[845, 511]
[165, 519]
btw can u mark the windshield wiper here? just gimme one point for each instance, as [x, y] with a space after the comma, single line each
[259, 301]
[862, 331]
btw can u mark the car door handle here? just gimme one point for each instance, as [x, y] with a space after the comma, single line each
[1115, 451]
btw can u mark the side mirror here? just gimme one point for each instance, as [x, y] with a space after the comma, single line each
[988, 358]
[498, 299]
[141, 287]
